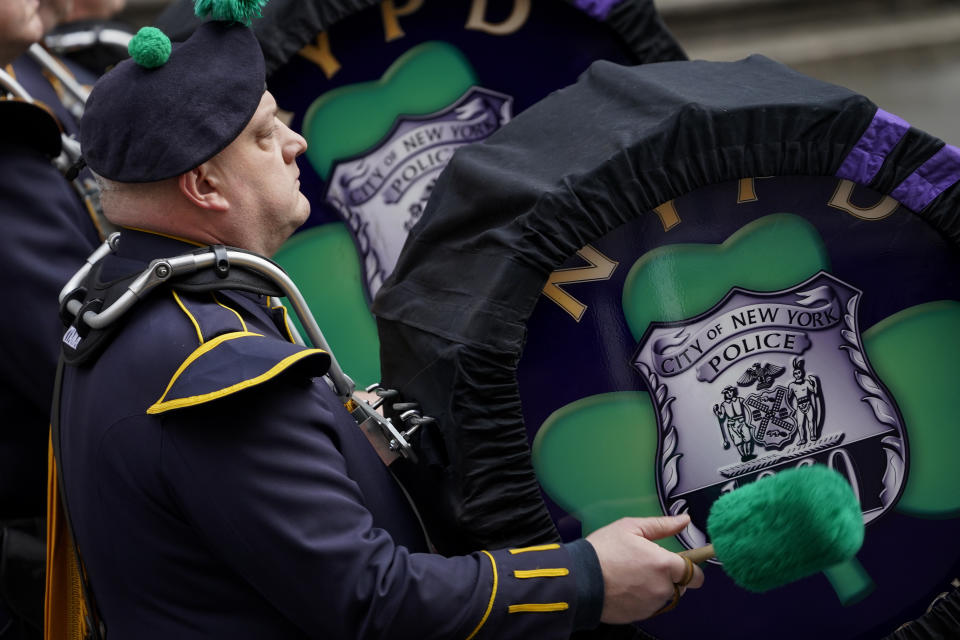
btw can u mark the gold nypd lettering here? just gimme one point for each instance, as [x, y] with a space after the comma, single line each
[321, 54]
[601, 268]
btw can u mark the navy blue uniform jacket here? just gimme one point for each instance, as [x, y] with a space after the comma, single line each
[45, 236]
[218, 489]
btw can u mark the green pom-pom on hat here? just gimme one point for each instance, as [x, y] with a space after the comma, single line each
[150, 48]
[242, 11]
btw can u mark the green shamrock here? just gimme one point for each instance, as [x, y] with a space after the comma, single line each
[605, 475]
[679, 281]
[915, 352]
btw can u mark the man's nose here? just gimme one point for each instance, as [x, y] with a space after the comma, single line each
[296, 145]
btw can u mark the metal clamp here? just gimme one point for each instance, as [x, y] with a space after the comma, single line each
[397, 439]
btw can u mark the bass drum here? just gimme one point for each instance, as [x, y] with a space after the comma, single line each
[668, 281]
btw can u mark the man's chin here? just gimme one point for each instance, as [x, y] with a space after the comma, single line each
[304, 210]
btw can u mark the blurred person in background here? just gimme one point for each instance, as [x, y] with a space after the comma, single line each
[53, 12]
[20, 25]
[46, 234]
[46, 84]
[90, 36]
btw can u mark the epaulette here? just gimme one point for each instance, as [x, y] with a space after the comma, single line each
[29, 125]
[230, 357]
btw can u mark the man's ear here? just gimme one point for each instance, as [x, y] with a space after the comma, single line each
[202, 187]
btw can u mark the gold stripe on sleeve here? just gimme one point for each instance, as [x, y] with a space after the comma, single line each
[540, 573]
[493, 596]
[541, 607]
[539, 547]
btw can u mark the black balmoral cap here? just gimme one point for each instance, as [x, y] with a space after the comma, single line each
[144, 125]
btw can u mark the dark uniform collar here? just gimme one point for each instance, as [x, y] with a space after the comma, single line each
[140, 242]
[137, 247]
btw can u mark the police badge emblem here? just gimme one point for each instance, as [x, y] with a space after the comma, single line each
[382, 193]
[763, 381]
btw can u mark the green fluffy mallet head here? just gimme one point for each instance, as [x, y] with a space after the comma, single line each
[242, 11]
[786, 527]
[150, 48]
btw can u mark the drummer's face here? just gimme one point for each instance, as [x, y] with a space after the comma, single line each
[259, 175]
[20, 26]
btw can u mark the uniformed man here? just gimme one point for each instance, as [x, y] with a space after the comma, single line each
[46, 85]
[217, 486]
[61, 87]
[45, 233]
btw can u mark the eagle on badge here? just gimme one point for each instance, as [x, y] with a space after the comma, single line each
[762, 375]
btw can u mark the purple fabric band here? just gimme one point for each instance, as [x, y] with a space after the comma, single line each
[865, 159]
[599, 9]
[935, 175]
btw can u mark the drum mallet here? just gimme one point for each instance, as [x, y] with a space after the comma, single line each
[783, 527]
